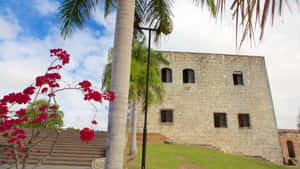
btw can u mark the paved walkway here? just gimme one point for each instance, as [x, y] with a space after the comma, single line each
[49, 167]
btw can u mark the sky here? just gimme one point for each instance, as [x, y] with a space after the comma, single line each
[28, 30]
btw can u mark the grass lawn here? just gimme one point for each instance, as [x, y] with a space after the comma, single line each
[171, 156]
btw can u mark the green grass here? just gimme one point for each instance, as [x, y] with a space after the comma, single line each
[171, 156]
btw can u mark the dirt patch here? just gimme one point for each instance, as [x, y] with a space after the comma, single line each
[190, 165]
[211, 158]
[181, 158]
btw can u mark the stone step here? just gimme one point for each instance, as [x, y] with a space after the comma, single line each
[96, 152]
[55, 158]
[61, 155]
[69, 149]
[71, 146]
[63, 163]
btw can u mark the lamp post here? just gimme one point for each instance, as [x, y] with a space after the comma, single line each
[146, 100]
[169, 30]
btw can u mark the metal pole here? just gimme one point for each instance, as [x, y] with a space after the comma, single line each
[146, 106]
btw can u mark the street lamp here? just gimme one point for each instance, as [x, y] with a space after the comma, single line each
[146, 97]
[146, 100]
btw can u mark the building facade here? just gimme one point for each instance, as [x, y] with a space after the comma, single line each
[219, 100]
[289, 140]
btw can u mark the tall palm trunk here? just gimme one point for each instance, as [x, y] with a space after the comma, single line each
[133, 146]
[120, 84]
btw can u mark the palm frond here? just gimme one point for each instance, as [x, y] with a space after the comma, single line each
[247, 14]
[251, 13]
[109, 5]
[211, 5]
[106, 80]
[73, 14]
[139, 18]
[158, 15]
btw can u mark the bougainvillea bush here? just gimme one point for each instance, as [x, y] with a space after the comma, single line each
[13, 118]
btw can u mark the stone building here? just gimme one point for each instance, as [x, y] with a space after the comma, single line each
[219, 100]
[290, 140]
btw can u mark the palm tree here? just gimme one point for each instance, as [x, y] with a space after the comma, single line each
[137, 81]
[156, 13]
[73, 14]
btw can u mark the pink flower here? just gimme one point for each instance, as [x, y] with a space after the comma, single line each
[85, 85]
[51, 95]
[44, 90]
[53, 115]
[43, 108]
[54, 67]
[25, 119]
[29, 90]
[44, 116]
[38, 120]
[53, 107]
[12, 140]
[19, 98]
[21, 112]
[110, 96]
[21, 136]
[94, 122]
[93, 95]
[38, 151]
[48, 78]
[87, 135]
[61, 54]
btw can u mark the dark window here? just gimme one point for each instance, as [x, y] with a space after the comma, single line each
[166, 116]
[244, 120]
[290, 147]
[166, 75]
[188, 76]
[238, 78]
[220, 120]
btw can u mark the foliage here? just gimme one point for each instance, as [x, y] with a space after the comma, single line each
[33, 111]
[157, 13]
[137, 84]
[172, 156]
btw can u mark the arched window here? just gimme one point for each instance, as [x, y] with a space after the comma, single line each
[290, 147]
[166, 75]
[188, 76]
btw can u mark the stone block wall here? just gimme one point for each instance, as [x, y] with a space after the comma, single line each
[194, 104]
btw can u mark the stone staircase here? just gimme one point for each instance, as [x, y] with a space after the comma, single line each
[69, 149]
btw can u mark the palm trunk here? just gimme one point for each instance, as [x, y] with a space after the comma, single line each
[120, 84]
[133, 146]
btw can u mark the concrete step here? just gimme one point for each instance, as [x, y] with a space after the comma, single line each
[80, 148]
[69, 149]
[63, 163]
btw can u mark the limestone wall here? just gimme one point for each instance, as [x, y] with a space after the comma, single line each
[194, 104]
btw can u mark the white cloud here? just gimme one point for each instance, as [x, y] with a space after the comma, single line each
[9, 27]
[45, 7]
[195, 30]
[23, 59]
[108, 22]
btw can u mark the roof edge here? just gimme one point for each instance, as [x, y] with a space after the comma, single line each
[207, 53]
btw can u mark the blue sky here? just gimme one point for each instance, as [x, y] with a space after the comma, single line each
[28, 30]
